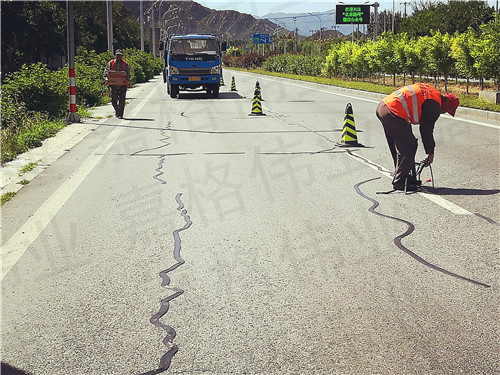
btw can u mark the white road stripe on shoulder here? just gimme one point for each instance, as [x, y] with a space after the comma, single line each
[14, 248]
[446, 204]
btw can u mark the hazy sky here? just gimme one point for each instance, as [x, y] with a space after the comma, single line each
[262, 7]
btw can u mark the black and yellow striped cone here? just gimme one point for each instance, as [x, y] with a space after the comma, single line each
[257, 87]
[256, 105]
[222, 80]
[349, 135]
[233, 85]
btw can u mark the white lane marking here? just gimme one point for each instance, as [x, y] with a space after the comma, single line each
[16, 246]
[270, 78]
[446, 204]
[493, 126]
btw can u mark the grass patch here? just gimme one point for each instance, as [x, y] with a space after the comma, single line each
[28, 167]
[470, 101]
[29, 134]
[8, 196]
[24, 182]
[83, 112]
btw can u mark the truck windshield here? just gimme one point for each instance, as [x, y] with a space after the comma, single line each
[193, 47]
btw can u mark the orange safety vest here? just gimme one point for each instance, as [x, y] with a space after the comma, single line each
[113, 64]
[406, 102]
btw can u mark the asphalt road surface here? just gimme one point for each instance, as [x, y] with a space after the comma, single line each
[192, 238]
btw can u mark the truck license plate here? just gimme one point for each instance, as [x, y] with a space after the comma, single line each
[194, 79]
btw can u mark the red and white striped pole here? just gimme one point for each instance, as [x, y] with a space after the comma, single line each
[73, 114]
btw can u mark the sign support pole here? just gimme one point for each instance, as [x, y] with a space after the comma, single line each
[73, 114]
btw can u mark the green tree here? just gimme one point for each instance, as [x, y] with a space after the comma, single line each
[486, 51]
[461, 50]
[449, 17]
[384, 52]
[31, 30]
[439, 56]
[35, 30]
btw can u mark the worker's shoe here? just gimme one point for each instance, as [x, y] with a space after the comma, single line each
[408, 187]
[411, 180]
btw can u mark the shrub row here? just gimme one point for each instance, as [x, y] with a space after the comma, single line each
[294, 64]
[34, 88]
[35, 99]
[250, 61]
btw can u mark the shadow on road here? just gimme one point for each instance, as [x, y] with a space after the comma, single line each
[200, 95]
[9, 370]
[138, 119]
[459, 191]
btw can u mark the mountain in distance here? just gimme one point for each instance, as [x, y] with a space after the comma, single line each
[188, 17]
[307, 24]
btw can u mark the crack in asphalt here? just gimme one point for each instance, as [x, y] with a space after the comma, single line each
[409, 230]
[168, 341]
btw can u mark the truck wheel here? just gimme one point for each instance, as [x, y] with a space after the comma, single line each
[174, 91]
[215, 92]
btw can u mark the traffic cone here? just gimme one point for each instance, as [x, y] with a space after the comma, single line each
[349, 135]
[222, 80]
[257, 86]
[233, 85]
[256, 105]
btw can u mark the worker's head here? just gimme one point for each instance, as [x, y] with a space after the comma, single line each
[450, 104]
[119, 54]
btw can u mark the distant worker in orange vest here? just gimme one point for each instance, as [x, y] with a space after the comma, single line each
[119, 87]
[415, 104]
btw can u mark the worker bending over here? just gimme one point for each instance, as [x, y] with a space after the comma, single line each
[415, 104]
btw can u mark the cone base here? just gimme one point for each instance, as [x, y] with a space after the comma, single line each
[257, 114]
[349, 144]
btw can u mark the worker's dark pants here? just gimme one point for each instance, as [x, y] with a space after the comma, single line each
[401, 141]
[118, 99]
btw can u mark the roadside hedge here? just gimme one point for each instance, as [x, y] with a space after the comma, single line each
[294, 64]
[35, 100]
[35, 88]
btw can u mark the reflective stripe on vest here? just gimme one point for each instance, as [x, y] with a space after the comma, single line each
[124, 64]
[406, 102]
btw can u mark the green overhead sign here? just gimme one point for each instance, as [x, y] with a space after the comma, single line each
[352, 14]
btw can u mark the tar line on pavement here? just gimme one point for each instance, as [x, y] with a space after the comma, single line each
[410, 229]
[168, 341]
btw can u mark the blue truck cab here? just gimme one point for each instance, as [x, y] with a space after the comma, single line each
[193, 62]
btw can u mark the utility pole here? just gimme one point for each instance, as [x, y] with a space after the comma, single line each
[109, 5]
[295, 36]
[405, 3]
[73, 114]
[393, 14]
[153, 41]
[141, 17]
[375, 20]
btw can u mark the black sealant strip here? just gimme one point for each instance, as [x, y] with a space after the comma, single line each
[410, 229]
[489, 220]
[168, 341]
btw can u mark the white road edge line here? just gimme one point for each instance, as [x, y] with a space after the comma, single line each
[440, 201]
[270, 78]
[14, 248]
